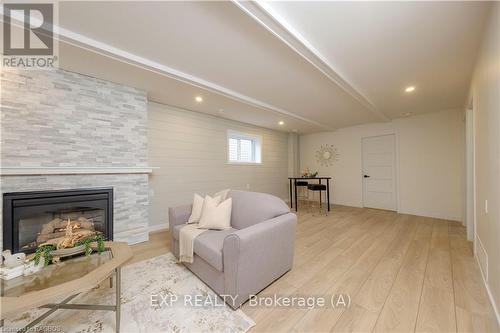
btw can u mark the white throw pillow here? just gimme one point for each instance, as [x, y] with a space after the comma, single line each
[222, 194]
[198, 204]
[216, 216]
[197, 208]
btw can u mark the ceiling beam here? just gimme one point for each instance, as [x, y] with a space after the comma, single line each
[269, 19]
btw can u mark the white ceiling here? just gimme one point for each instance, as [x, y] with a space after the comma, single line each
[173, 92]
[382, 47]
[315, 65]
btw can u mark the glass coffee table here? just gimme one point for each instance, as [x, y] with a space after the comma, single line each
[65, 280]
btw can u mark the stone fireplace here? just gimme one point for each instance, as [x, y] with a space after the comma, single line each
[62, 131]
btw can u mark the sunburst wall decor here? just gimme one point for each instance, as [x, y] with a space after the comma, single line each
[326, 155]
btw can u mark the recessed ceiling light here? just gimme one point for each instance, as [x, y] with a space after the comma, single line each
[198, 99]
[407, 114]
[221, 110]
[281, 123]
[410, 89]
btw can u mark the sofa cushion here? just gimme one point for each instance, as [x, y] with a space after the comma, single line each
[250, 208]
[208, 245]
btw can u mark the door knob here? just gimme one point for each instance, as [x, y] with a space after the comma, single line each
[366, 176]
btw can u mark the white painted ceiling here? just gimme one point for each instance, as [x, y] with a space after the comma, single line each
[173, 92]
[315, 65]
[382, 47]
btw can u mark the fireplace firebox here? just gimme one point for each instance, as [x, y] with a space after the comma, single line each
[34, 218]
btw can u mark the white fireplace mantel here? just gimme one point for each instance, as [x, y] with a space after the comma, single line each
[32, 171]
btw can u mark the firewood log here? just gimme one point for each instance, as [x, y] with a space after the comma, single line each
[64, 241]
[86, 223]
[49, 227]
[42, 238]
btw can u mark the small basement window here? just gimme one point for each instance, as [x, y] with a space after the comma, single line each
[243, 148]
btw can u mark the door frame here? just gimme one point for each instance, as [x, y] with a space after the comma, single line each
[395, 172]
[470, 176]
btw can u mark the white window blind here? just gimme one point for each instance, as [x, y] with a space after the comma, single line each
[243, 148]
[233, 149]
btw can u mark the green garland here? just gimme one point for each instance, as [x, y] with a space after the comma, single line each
[87, 242]
[45, 250]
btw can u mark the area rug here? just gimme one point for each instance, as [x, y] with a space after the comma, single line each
[200, 311]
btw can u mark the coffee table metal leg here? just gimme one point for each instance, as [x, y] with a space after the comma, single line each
[64, 305]
[46, 314]
[118, 284]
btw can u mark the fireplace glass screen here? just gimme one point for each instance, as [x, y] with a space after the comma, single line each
[35, 218]
[50, 225]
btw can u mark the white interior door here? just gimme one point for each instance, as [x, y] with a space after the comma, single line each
[379, 172]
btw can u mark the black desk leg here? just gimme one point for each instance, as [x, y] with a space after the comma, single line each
[291, 199]
[295, 188]
[328, 193]
[320, 203]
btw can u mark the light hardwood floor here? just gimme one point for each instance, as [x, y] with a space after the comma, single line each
[403, 273]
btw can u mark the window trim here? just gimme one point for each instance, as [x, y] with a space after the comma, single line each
[256, 147]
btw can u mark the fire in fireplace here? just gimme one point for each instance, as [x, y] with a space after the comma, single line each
[55, 217]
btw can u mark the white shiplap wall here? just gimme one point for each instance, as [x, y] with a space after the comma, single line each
[191, 150]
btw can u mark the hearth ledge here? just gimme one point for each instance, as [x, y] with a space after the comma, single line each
[31, 171]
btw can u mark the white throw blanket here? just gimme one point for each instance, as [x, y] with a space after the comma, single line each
[187, 234]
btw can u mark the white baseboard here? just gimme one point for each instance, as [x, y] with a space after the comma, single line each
[481, 257]
[488, 291]
[158, 227]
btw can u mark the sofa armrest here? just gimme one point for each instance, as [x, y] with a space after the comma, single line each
[178, 215]
[256, 256]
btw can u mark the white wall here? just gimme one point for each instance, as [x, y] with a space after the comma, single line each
[293, 154]
[191, 150]
[431, 162]
[486, 109]
[432, 165]
[346, 172]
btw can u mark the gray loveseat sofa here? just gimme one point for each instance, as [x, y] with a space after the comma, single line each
[243, 260]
